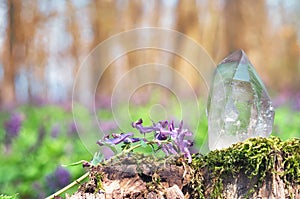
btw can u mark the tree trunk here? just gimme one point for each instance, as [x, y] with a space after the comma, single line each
[226, 173]
[8, 96]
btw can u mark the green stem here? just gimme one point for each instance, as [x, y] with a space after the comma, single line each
[69, 186]
[135, 147]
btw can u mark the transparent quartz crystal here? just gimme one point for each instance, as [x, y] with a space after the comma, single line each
[239, 106]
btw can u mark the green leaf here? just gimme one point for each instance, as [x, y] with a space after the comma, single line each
[143, 144]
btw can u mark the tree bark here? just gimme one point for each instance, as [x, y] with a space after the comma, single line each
[175, 182]
[8, 96]
[256, 168]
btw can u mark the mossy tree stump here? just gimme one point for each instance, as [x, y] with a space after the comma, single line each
[256, 168]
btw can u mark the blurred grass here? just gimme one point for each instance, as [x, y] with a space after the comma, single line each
[286, 123]
[32, 157]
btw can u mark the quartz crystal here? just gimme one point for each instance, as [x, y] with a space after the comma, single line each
[239, 106]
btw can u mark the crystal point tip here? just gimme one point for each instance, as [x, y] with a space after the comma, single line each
[236, 56]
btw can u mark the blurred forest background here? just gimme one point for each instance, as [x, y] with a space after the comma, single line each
[43, 43]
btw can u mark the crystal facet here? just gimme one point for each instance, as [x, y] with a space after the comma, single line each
[239, 106]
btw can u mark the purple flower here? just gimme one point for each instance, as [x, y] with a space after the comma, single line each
[13, 125]
[163, 124]
[132, 140]
[143, 130]
[162, 134]
[177, 135]
[169, 148]
[59, 179]
[117, 139]
[186, 151]
[155, 127]
[163, 131]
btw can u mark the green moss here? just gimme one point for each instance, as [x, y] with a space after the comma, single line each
[256, 157]
[99, 178]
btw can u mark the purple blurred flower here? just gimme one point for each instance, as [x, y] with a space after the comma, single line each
[63, 176]
[59, 179]
[55, 131]
[72, 129]
[103, 102]
[281, 99]
[288, 98]
[39, 101]
[37, 187]
[296, 102]
[108, 126]
[13, 125]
